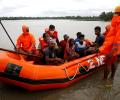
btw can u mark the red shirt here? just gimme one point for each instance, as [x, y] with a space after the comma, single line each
[63, 44]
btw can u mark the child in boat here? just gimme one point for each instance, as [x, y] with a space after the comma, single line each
[70, 53]
[51, 54]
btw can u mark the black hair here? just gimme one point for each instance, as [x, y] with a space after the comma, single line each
[82, 35]
[51, 27]
[98, 28]
[79, 33]
[44, 35]
[71, 39]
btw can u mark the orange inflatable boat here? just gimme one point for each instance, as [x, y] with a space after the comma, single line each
[16, 71]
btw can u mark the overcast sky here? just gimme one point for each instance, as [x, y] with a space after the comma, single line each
[38, 8]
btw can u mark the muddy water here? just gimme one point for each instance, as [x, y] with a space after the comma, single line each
[91, 88]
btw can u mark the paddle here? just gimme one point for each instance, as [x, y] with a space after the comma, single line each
[19, 53]
[7, 34]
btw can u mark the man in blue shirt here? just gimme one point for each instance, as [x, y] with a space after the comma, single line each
[100, 38]
[78, 37]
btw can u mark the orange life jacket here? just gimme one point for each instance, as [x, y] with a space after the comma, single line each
[43, 43]
[55, 34]
[112, 40]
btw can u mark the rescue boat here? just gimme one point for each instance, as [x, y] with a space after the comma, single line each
[16, 71]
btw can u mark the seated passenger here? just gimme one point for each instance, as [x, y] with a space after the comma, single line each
[26, 41]
[100, 38]
[62, 45]
[51, 54]
[98, 42]
[64, 42]
[70, 53]
[53, 33]
[44, 41]
[81, 46]
[78, 37]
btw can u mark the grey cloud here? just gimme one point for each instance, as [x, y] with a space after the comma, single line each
[86, 12]
[7, 10]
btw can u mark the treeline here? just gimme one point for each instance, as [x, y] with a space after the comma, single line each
[106, 16]
[103, 16]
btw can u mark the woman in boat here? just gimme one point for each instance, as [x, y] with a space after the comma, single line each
[62, 45]
[70, 53]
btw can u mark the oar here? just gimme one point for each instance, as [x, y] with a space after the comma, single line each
[7, 34]
[19, 53]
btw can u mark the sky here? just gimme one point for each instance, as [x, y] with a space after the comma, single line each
[42, 8]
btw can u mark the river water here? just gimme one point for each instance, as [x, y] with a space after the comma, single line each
[91, 88]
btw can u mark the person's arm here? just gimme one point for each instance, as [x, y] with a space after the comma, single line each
[32, 44]
[18, 44]
[107, 45]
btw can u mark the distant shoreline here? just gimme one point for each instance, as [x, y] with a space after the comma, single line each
[102, 17]
[53, 18]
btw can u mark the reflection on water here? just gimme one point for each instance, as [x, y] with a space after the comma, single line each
[91, 88]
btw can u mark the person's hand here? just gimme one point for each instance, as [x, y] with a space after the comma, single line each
[97, 50]
[59, 60]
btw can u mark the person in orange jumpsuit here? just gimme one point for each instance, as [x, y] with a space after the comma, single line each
[111, 46]
[26, 41]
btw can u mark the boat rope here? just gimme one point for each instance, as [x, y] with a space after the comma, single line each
[79, 64]
[66, 72]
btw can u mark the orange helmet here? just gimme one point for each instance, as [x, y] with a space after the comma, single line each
[117, 9]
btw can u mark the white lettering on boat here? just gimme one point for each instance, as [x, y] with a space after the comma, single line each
[100, 61]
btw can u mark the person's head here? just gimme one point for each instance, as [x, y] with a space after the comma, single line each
[78, 34]
[97, 30]
[66, 37]
[25, 29]
[107, 27]
[82, 37]
[52, 44]
[117, 11]
[46, 37]
[46, 30]
[71, 42]
[51, 29]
